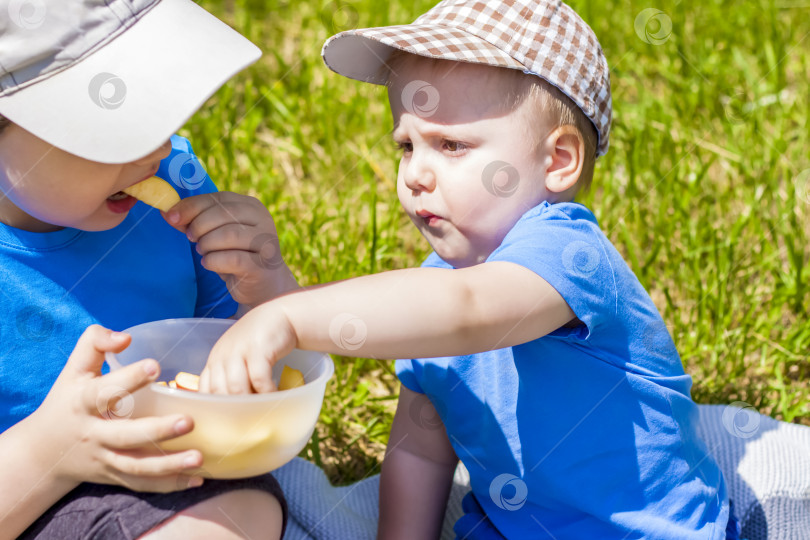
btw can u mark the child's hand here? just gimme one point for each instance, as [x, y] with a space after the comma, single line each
[237, 238]
[242, 360]
[83, 432]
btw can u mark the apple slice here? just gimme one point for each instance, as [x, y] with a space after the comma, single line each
[154, 192]
[290, 378]
[187, 381]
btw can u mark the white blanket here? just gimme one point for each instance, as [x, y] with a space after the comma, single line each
[766, 464]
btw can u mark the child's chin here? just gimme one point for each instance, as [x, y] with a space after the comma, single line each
[449, 256]
[459, 258]
[96, 224]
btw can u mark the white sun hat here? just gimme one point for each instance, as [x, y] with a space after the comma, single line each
[112, 80]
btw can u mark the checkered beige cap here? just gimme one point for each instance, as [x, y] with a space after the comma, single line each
[541, 37]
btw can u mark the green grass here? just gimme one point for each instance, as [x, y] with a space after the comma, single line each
[702, 189]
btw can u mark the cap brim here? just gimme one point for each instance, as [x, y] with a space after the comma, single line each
[124, 100]
[362, 54]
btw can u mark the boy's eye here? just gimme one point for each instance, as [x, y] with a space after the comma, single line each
[405, 146]
[454, 146]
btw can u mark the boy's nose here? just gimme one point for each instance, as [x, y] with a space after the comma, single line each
[418, 176]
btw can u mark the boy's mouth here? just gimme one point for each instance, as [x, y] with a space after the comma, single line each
[429, 219]
[120, 203]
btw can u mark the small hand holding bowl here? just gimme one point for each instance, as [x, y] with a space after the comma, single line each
[238, 435]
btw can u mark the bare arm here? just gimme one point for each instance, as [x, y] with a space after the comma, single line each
[35, 487]
[417, 472]
[414, 313]
[428, 312]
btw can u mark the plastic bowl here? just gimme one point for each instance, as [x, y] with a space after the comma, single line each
[238, 435]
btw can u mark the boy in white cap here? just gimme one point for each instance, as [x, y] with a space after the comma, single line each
[90, 95]
[542, 364]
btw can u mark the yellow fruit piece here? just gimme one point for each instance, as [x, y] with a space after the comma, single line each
[290, 378]
[162, 383]
[154, 192]
[187, 381]
[172, 384]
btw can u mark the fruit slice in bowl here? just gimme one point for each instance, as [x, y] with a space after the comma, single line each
[187, 381]
[290, 378]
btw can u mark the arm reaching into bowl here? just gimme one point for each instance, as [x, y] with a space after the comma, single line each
[412, 313]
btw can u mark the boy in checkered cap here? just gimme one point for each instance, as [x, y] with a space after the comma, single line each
[542, 364]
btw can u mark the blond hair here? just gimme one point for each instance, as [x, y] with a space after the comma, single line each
[546, 101]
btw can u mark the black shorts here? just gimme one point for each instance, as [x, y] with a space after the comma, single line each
[98, 512]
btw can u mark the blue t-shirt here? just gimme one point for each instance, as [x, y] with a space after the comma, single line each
[587, 432]
[56, 284]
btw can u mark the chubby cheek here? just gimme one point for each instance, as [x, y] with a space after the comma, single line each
[65, 205]
[470, 206]
[402, 191]
[405, 196]
[485, 218]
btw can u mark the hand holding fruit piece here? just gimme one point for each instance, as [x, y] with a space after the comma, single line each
[237, 239]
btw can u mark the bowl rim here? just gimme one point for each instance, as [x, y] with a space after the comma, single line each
[112, 361]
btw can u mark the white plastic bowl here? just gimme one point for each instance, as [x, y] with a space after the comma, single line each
[238, 435]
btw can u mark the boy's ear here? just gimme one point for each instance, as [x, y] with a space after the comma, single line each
[566, 150]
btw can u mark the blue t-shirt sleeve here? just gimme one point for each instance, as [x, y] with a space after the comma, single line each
[406, 372]
[183, 169]
[569, 251]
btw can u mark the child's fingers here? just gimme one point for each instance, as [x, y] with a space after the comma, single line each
[233, 236]
[236, 262]
[158, 473]
[214, 217]
[153, 463]
[110, 396]
[205, 381]
[237, 379]
[201, 214]
[139, 432]
[218, 379]
[261, 374]
[88, 354]
[158, 484]
[184, 212]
